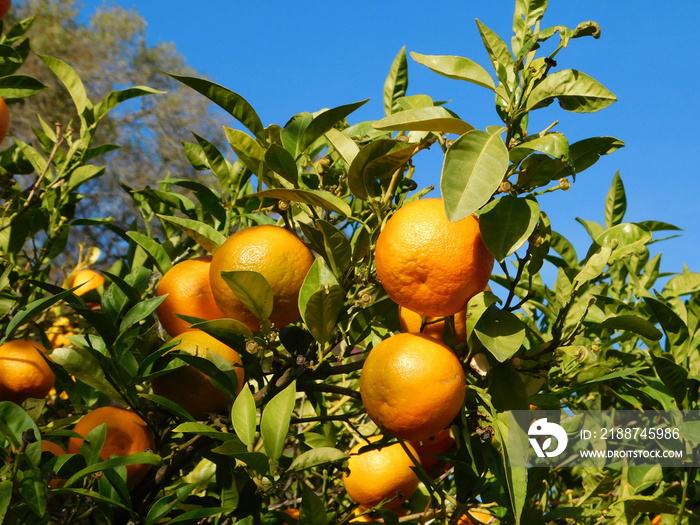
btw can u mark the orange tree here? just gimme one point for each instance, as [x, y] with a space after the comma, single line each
[607, 333]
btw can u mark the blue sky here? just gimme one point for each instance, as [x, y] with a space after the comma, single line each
[289, 57]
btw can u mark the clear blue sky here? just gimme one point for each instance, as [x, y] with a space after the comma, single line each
[289, 57]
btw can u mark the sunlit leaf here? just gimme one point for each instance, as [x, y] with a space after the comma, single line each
[575, 91]
[321, 300]
[458, 68]
[615, 202]
[501, 332]
[506, 224]
[321, 198]
[253, 290]
[274, 424]
[396, 82]
[437, 119]
[317, 457]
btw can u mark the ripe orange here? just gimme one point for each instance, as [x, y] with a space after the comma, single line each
[24, 372]
[191, 388]
[86, 279]
[127, 434]
[431, 265]
[4, 112]
[656, 520]
[438, 444]
[59, 331]
[412, 386]
[475, 517]
[411, 322]
[382, 474]
[189, 293]
[275, 253]
[292, 513]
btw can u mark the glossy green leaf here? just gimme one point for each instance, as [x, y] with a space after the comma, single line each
[436, 118]
[321, 198]
[85, 366]
[396, 83]
[19, 86]
[473, 170]
[594, 229]
[313, 510]
[15, 421]
[322, 122]
[33, 309]
[231, 102]
[596, 263]
[506, 223]
[253, 290]
[457, 68]
[575, 91]
[247, 149]
[554, 145]
[154, 249]
[205, 430]
[516, 476]
[378, 160]
[243, 417]
[317, 457]
[122, 461]
[196, 515]
[501, 58]
[321, 300]
[83, 174]
[281, 162]
[214, 160]
[115, 98]
[71, 80]
[633, 323]
[201, 232]
[674, 327]
[274, 424]
[140, 311]
[615, 202]
[344, 145]
[682, 284]
[337, 247]
[6, 487]
[631, 238]
[501, 332]
[527, 13]
[674, 376]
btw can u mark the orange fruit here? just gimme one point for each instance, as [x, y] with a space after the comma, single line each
[412, 386]
[361, 515]
[431, 265]
[435, 326]
[189, 293]
[475, 517]
[382, 474]
[59, 331]
[24, 372]
[56, 450]
[86, 279]
[292, 513]
[275, 253]
[438, 444]
[127, 434]
[656, 520]
[4, 112]
[190, 388]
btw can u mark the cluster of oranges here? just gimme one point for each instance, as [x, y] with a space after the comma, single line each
[412, 384]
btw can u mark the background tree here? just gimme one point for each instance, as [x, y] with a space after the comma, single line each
[109, 51]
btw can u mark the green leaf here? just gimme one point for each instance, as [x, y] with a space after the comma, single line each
[631, 238]
[321, 198]
[202, 233]
[596, 263]
[82, 174]
[253, 290]
[673, 326]
[19, 86]
[674, 376]
[527, 13]
[282, 162]
[506, 224]
[516, 476]
[682, 284]
[473, 170]
[632, 323]
[322, 122]
[122, 461]
[243, 417]
[6, 488]
[247, 149]
[204, 430]
[115, 98]
[317, 457]
[553, 144]
[231, 102]
[396, 83]
[214, 160]
[378, 160]
[457, 68]
[28, 312]
[274, 424]
[436, 119]
[14, 421]
[71, 80]
[501, 58]
[337, 247]
[586, 152]
[344, 145]
[85, 366]
[321, 300]
[153, 249]
[615, 203]
[140, 311]
[313, 510]
[501, 332]
[575, 91]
